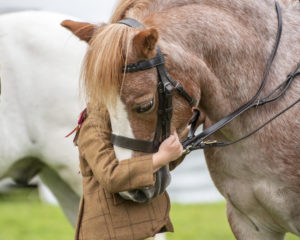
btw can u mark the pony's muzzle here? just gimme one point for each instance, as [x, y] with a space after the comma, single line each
[146, 194]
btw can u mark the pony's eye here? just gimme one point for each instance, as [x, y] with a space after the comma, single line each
[145, 107]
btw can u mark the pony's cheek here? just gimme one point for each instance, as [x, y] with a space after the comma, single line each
[143, 125]
[182, 114]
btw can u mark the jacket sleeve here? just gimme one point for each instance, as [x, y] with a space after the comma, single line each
[95, 147]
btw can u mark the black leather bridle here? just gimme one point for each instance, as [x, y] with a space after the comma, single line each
[165, 87]
[165, 93]
[164, 115]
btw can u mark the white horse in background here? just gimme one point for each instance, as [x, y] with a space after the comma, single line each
[39, 69]
[40, 65]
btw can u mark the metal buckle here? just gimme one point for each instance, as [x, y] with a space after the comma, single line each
[166, 85]
[187, 151]
[210, 142]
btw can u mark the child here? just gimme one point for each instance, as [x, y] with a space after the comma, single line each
[103, 214]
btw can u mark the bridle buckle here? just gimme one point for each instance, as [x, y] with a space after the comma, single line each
[187, 150]
[210, 142]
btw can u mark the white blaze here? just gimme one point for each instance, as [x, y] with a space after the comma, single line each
[120, 127]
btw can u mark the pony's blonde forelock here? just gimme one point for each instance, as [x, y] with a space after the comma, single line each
[102, 67]
[101, 74]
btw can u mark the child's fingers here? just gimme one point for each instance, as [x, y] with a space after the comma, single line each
[170, 140]
[176, 144]
[176, 135]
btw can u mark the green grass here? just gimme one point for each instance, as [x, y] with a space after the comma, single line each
[199, 222]
[24, 217]
[202, 222]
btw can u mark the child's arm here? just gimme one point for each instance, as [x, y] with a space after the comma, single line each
[95, 147]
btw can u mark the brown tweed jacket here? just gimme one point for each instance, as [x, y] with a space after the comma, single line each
[103, 214]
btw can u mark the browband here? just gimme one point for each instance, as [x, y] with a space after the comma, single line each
[146, 64]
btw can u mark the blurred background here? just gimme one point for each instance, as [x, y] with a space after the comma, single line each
[198, 210]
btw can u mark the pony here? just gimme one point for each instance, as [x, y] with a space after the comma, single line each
[218, 51]
[39, 70]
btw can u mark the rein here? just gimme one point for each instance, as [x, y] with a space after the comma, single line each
[198, 142]
[166, 85]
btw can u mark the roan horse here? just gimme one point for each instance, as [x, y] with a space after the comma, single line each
[39, 72]
[218, 51]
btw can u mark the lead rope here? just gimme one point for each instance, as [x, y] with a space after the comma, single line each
[197, 142]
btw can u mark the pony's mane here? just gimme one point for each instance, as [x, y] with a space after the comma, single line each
[124, 6]
[107, 54]
[102, 66]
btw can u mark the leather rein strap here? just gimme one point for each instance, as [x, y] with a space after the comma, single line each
[198, 142]
[165, 88]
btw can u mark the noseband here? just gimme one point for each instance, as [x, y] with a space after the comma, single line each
[165, 88]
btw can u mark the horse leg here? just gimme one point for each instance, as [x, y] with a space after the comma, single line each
[23, 170]
[67, 198]
[45, 193]
[28, 167]
[244, 228]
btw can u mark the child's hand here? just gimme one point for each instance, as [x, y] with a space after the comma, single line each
[170, 150]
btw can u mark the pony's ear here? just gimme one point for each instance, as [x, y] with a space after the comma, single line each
[145, 42]
[84, 31]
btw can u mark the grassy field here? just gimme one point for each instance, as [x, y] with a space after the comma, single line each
[202, 222]
[23, 217]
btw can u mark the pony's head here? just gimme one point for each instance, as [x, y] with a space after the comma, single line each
[131, 98]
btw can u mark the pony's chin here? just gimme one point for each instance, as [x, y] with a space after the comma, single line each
[146, 194]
